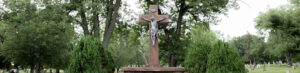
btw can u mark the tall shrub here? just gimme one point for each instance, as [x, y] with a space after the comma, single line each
[202, 43]
[206, 54]
[89, 56]
[224, 59]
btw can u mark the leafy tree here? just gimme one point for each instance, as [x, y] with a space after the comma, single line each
[89, 56]
[89, 12]
[128, 47]
[4, 63]
[35, 36]
[224, 59]
[250, 47]
[283, 26]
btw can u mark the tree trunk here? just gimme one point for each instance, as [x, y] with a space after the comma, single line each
[32, 68]
[288, 60]
[38, 68]
[84, 23]
[50, 70]
[111, 24]
[264, 66]
[17, 70]
[57, 71]
[182, 10]
[95, 22]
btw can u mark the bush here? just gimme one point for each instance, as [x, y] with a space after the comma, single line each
[89, 56]
[202, 43]
[224, 59]
[206, 54]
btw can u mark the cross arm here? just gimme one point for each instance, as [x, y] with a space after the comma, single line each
[163, 18]
[144, 18]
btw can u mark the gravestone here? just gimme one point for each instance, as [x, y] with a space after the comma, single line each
[153, 67]
[269, 64]
[298, 64]
[287, 71]
[258, 66]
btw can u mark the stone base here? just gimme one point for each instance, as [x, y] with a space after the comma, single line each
[153, 70]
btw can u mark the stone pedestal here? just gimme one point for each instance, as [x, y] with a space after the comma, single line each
[153, 70]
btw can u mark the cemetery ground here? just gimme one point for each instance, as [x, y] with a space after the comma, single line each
[274, 69]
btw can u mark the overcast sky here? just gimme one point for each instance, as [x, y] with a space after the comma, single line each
[239, 22]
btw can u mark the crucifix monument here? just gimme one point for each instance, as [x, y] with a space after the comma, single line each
[153, 67]
[153, 19]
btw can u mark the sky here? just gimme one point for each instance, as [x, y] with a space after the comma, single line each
[237, 22]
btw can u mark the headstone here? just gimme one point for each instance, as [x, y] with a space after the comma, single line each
[274, 62]
[287, 71]
[153, 67]
[298, 64]
[269, 64]
[294, 66]
[258, 66]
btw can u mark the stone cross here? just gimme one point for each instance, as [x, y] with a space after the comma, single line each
[153, 18]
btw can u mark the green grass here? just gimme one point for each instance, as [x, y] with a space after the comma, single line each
[274, 69]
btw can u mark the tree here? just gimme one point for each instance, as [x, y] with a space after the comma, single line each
[128, 47]
[206, 54]
[171, 37]
[35, 36]
[251, 47]
[4, 63]
[199, 49]
[224, 59]
[88, 16]
[89, 56]
[282, 25]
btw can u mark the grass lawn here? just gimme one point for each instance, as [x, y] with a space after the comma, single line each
[274, 69]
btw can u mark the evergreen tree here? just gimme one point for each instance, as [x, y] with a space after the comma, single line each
[89, 56]
[206, 54]
[224, 59]
[196, 58]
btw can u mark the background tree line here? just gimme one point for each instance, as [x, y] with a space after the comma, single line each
[40, 34]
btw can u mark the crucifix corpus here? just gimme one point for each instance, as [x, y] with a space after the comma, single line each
[153, 19]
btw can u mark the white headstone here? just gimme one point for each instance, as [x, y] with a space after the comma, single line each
[298, 64]
[269, 64]
[287, 71]
[258, 66]
[294, 66]
[280, 63]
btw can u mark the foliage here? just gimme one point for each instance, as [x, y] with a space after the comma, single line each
[127, 47]
[89, 56]
[36, 37]
[198, 50]
[250, 47]
[283, 27]
[206, 54]
[224, 59]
